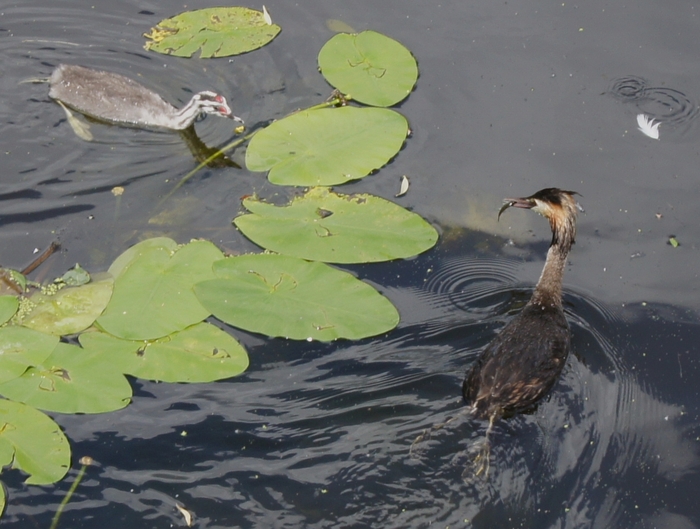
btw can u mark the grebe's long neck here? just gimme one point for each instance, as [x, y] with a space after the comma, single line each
[187, 114]
[549, 286]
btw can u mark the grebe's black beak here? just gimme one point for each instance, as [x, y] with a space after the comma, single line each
[524, 203]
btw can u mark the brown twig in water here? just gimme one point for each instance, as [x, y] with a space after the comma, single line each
[55, 245]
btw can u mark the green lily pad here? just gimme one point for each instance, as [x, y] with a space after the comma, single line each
[153, 294]
[201, 353]
[216, 31]
[32, 442]
[137, 250]
[328, 146]
[285, 296]
[8, 308]
[3, 498]
[325, 226]
[369, 67]
[71, 309]
[20, 348]
[71, 380]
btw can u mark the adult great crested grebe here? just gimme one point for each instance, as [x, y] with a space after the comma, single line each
[115, 98]
[523, 362]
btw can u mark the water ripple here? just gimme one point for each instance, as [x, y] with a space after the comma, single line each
[668, 105]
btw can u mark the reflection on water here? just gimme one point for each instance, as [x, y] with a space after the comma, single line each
[318, 435]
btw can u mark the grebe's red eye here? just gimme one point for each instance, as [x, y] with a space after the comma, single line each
[223, 110]
[219, 99]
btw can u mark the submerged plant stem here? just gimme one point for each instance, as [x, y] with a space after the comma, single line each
[85, 462]
[218, 153]
[335, 100]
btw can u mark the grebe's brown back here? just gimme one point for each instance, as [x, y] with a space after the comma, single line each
[524, 361]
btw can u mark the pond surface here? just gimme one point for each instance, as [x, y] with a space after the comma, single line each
[513, 97]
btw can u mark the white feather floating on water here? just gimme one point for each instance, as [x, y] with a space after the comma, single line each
[187, 515]
[647, 126]
[404, 186]
[266, 16]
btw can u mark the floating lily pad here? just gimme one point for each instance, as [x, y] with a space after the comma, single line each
[153, 294]
[8, 308]
[137, 250]
[216, 31]
[327, 147]
[20, 348]
[71, 380]
[370, 67]
[201, 353]
[285, 296]
[3, 499]
[32, 442]
[71, 309]
[325, 226]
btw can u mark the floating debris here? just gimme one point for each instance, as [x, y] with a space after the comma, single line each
[187, 515]
[266, 16]
[647, 126]
[404, 186]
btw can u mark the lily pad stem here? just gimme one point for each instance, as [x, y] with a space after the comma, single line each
[335, 100]
[85, 462]
[218, 153]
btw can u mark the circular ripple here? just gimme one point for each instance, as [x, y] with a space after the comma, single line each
[629, 88]
[473, 285]
[668, 105]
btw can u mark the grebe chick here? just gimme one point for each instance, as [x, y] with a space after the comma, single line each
[523, 362]
[115, 98]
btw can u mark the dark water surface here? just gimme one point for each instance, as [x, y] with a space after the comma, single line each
[513, 97]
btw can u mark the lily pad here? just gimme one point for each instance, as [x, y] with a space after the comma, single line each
[71, 309]
[372, 68]
[328, 146]
[32, 442]
[71, 380]
[216, 31]
[20, 348]
[153, 294]
[8, 308]
[325, 226]
[285, 296]
[201, 353]
[137, 250]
